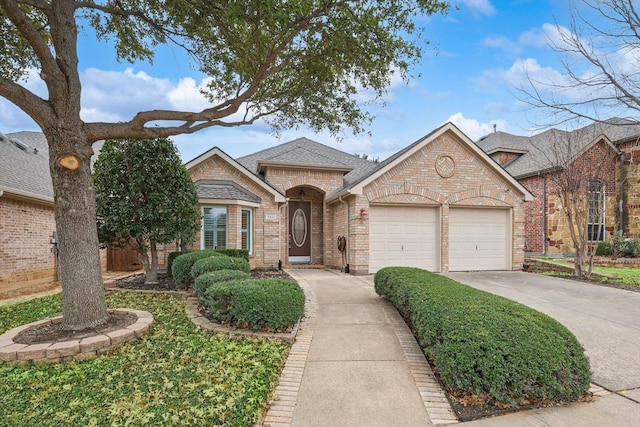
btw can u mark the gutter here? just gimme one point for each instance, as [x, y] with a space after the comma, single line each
[620, 202]
[25, 195]
[348, 249]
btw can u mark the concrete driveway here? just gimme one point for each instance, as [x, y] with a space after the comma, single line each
[607, 323]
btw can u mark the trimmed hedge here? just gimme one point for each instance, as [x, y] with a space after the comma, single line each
[235, 253]
[485, 344]
[205, 280]
[181, 267]
[216, 263]
[275, 304]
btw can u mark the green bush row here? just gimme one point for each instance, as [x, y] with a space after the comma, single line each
[264, 303]
[216, 263]
[485, 344]
[205, 280]
[170, 258]
[181, 267]
[224, 286]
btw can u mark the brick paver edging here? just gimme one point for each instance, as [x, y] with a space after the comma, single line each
[285, 396]
[433, 397]
[79, 349]
[201, 322]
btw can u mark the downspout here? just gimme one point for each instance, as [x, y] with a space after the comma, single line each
[620, 204]
[348, 249]
[284, 205]
[544, 214]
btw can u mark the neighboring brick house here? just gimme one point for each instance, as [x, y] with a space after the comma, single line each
[610, 147]
[26, 209]
[441, 204]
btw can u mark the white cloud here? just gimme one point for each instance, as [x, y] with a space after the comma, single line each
[187, 95]
[473, 128]
[482, 7]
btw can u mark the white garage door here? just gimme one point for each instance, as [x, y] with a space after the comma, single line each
[479, 239]
[403, 236]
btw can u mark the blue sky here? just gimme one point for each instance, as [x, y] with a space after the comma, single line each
[480, 53]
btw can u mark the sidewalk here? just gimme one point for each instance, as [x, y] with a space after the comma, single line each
[355, 363]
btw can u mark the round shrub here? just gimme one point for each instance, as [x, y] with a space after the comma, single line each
[487, 345]
[603, 249]
[181, 267]
[170, 258]
[205, 280]
[274, 304]
[215, 263]
[268, 303]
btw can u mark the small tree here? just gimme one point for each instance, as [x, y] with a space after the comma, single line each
[144, 196]
[576, 164]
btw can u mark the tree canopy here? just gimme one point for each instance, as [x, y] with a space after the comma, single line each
[288, 62]
[144, 196]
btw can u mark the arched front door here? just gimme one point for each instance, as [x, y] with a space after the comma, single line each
[299, 232]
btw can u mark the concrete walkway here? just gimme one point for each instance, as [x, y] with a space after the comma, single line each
[355, 363]
[605, 320]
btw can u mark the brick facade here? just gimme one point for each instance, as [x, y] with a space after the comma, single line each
[547, 208]
[414, 180]
[25, 232]
[25, 241]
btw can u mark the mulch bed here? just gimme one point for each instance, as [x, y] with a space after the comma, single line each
[56, 333]
[165, 283]
[117, 320]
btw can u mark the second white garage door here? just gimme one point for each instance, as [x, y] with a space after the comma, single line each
[403, 236]
[479, 239]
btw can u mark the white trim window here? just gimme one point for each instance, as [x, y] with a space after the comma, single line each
[246, 230]
[595, 214]
[214, 227]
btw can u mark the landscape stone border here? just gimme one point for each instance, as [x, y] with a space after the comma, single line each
[78, 349]
[201, 322]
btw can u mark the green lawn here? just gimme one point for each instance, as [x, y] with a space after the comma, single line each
[627, 276]
[176, 375]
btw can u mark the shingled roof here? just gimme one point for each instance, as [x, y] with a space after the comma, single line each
[24, 165]
[305, 152]
[223, 190]
[534, 151]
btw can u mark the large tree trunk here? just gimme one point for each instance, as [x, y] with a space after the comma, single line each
[75, 212]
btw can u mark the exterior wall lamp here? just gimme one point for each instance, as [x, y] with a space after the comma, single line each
[364, 214]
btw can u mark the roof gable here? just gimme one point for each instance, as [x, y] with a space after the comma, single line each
[215, 151]
[536, 158]
[399, 157]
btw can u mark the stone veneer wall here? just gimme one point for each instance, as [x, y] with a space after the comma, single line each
[558, 234]
[631, 202]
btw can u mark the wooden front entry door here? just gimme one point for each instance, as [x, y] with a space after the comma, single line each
[299, 232]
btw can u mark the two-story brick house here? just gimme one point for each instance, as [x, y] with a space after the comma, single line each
[610, 148]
